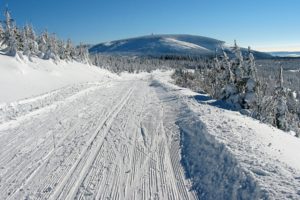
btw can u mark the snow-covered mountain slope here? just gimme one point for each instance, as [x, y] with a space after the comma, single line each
[154, 45]
[137, 137]
[160, 44]
[292, 54]
[20, 78]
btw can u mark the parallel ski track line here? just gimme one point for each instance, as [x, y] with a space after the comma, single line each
[44, 100]
[115, 145]
[87, 156]
[72, 157]
[41, 162]
[54, 103]
[181, 192]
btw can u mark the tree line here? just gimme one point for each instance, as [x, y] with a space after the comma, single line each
[21, 41]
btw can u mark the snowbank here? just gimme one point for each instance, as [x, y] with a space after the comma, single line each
[231, 156]
[21, 78]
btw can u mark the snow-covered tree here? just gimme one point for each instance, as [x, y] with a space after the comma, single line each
[9, 41]
[1, 33]
[26, 45]
[250, 79]
[70, 52]
[32, 40]
[24, 41]
[280, 99]
[42, 43]
[237, 64]
[82, 54]
[61, 49]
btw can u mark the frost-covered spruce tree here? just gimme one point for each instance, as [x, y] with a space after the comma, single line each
[42, 43]
[229, 76]
[293, 108]
[229, 90]
[18, 36]
[235, 88]
[70, 51]
[1, 33]
[97, 61]
[52, 48]
[237, 64]
[280, 109]
[26, 46]
[250, 79]
[222, 73]
[292, 102]
[216, 77]
[31, 40]
[61, 49]
[82, 54]
[9, 41]
[8, 30]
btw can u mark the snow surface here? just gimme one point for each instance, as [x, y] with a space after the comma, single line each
[134, 137]
[181, 44]
[218, 143]
[21, 78]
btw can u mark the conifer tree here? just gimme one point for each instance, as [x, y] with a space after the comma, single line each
[280, 99]
[42, 43]
[82, 54]
[70, 51]
[10, 38]
[1, 33]
[250, 79]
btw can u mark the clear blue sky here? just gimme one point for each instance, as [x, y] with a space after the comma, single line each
[263, 24]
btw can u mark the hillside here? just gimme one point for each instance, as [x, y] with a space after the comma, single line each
[292, 54]
[155, 45]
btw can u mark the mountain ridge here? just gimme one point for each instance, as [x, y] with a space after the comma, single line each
[166, 44]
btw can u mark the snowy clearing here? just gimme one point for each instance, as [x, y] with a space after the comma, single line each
[134, 137]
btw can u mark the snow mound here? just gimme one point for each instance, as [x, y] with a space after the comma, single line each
[20, 78]
[231, 156]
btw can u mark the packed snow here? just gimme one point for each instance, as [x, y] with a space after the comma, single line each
[73, 131]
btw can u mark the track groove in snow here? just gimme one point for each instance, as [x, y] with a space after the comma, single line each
[138, 137]
[98, 141]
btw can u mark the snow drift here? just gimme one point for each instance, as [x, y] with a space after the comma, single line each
[230, 156]
[20, 78]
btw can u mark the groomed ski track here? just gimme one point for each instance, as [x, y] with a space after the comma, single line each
[140, 137]
[109, 140]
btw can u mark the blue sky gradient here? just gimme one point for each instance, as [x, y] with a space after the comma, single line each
[263, 24]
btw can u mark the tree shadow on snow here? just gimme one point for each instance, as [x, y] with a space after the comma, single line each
[205, 99]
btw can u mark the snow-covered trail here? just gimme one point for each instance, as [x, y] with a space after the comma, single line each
[111, 140]
[140, 137]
